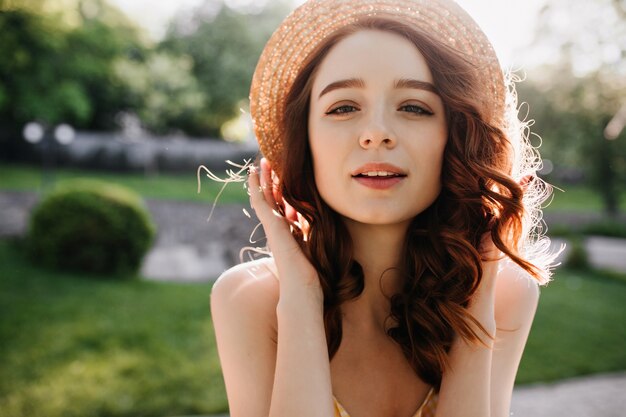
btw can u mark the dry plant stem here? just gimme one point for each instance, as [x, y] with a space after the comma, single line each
[466, 383]
[231, 176]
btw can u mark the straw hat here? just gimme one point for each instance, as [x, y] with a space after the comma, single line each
[302, 32]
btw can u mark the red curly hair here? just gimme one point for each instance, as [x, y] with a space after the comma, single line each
[442, 263]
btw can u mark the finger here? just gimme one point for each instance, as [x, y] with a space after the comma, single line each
[257, 197]
[278, 196]
[264, 210]
[266, 183]
[276, 229]
[273, 179]
[254, 186]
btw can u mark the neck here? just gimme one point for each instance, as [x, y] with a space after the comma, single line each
[378, 249]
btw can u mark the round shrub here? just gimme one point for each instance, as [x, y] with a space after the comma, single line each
[90, 226]
[578, 257]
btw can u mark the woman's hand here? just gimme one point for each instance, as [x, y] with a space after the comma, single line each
[294, 269]
[482, 303]
[490, 256]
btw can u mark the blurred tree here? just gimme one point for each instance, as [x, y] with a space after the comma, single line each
[591, 35]
[32, 86]
[225, 44]
[578, 90]
[59, 67]
[163, 90]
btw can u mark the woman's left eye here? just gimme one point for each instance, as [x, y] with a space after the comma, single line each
[413, 108]
[342, 110]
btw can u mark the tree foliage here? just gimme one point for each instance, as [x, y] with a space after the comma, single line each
[163, 90]
[54, 71]
[84, 64]
[225, 44]
[572, 101]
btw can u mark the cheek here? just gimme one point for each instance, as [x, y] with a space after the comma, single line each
[324, 165]
[427, 155]
[328, 144]
[329, 166]
[320, 155]
[427, 143]
[438, 144]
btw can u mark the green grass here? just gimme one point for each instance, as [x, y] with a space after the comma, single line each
[184, 187]
[77, 346]
[578, 199]
[163, 186]
[80, 346]
[579, 329]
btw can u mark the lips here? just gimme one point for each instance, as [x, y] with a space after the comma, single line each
[379, 175]
[380, 169]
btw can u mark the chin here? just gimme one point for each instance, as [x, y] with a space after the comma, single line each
[379, 213]
[385, 218]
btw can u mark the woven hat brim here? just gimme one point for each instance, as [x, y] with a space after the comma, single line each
[308, 26]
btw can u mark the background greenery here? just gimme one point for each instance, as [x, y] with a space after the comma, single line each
[163, 186]
[89, 226]
[79, 347]
[83, 62]
[74, 345]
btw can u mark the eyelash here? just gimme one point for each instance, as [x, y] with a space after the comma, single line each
[341, 110]
[418, 110]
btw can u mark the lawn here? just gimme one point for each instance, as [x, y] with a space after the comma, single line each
[579, 199]
[184, 187]
[162, 186]
[79, 346]
[579, 329]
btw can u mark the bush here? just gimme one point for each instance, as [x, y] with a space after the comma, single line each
[607, 227]
[91, 227]
[577, 257]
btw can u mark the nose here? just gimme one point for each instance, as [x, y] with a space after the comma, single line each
[377, 133]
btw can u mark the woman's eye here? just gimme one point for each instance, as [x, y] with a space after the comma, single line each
[342, 109]
[413, 108]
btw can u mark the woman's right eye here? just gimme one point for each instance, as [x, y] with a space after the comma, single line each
[343, 109]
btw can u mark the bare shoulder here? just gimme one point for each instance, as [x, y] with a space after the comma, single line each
[243, 311]
[260, 274]
[517, 296]
[250, 288]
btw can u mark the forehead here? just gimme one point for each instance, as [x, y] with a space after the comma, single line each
[375, 56]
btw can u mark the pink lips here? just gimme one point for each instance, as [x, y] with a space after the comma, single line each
[393, 176]
[379, 183]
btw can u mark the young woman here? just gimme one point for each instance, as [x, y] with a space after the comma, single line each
[399, 201]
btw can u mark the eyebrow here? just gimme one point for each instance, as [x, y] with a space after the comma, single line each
[349, 83]
[399, 84]
[415, 84]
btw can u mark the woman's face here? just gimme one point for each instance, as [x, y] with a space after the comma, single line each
[377, 129]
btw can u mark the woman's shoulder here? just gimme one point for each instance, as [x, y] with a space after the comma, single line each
[248, 288]
[517, 295]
